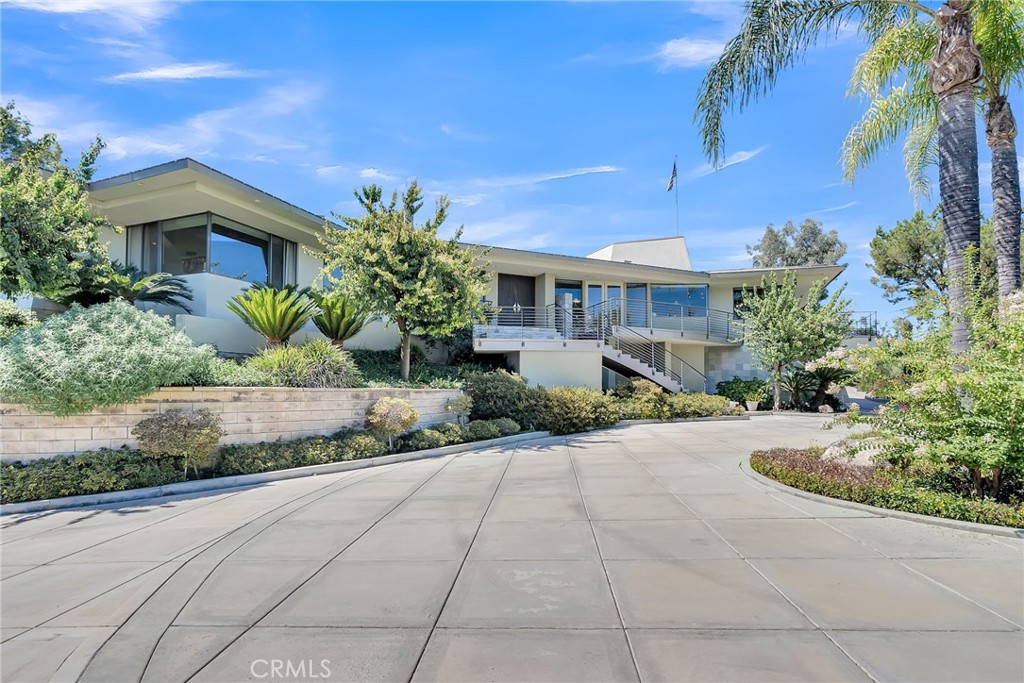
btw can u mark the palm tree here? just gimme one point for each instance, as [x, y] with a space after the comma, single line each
[132, 285]
[102, 281]
[775, 35]
[904, 50]
[276, 314]
[339, 319]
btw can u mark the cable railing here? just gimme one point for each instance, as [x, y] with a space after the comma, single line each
[655, 356]
[864, 324]
[691, 322]
[602, 324]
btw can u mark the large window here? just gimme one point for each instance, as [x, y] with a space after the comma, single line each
[573, 289]
[737, 297]
[679, 300]
[207, 243]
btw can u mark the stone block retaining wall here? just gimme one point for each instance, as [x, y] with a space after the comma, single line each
[248, 415]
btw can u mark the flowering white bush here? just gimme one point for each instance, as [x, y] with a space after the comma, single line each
[967, 411]
[104, 355]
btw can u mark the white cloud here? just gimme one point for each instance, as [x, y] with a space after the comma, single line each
[458, 133]
[522, 230]
[517, 181]
[266, 125]
[331, 171]
[733, 159]
[183, 72]
[833, 209]
[132, 15]
[685, 53]
[377, 174]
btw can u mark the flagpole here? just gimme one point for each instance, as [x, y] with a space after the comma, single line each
[675, 159]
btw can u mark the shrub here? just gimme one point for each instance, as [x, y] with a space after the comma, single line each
[359, 446]
[225, 372]
[190, 436]
[338, 318]
[104, 355]
[507, 426]
[741, 390]
[700, 405]
[421, 440]
[83, 474]
[381, 369]
[872, 485]
[503, 394]
[568, 410]
[390, 417]
[14, 318]
[453, 433]
[461, 406]
[317, 364]
[274, 313]
[480, 430]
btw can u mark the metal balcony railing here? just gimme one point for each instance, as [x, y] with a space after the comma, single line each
[691, 322]
[864, 324]
[603, 324]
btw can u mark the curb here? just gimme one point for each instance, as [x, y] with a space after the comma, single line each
[973, 527]
[239, 480]
[717, 418]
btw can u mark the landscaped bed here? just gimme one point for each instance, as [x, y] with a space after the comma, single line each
[920, 489]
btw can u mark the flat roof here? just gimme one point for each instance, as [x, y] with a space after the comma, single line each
[593, 262]
[193, 165]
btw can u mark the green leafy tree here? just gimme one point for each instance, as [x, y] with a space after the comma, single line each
[781, 328]
[276, 314]
[402, 272]
[789, 246]
[47, 228]
[777, 35]
[909, 262]
[339, 318]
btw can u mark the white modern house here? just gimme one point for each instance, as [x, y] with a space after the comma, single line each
[630, 308]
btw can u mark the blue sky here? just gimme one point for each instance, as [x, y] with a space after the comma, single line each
[551, 126]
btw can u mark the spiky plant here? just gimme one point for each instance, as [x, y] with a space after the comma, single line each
[339, 318]
[275, 313]
[132, 285]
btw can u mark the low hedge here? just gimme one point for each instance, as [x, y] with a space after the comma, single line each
[877, 486]
[126, 468]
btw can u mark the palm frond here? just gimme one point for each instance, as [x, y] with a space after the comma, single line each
[999, 33]
[902, 52]
[920, 155]
[339, 319]
[884, 122]
[775, 36]
[276, 314]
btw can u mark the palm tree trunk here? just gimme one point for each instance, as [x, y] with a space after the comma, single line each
[1001, 134]
[955, 69]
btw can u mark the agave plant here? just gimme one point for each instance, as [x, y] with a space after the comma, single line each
[339, 318]
[276, 314]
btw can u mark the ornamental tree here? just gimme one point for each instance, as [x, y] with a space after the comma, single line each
[49, 235]
[781, 328]
[421, 283]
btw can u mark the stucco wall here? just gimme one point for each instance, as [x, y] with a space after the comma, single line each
[559, 368]
[249, 415]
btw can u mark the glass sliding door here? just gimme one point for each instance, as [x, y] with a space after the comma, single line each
[184, 248]
[241, 252]
[636, 304]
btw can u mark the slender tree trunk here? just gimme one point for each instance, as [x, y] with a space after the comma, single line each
[1001, 134]
[777, 376]
[955, 70]
[406, 354]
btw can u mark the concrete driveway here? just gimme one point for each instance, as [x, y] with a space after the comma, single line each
[640, 552]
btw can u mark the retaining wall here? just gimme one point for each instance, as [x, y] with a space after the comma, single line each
[248, 415]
